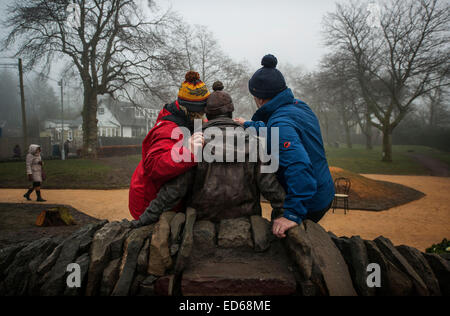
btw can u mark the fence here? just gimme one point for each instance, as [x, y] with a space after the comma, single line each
[117, 151]
[119, 141]
[7, 145]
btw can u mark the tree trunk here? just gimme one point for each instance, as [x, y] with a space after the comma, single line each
[348, 137]
[90, 140]
[387, 144]
[368, 132]
[432, 114]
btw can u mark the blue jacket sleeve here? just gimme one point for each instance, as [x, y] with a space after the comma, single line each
[256, 125]
[297, 173]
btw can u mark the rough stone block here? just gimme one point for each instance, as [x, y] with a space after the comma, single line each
[441, 269]
[176, 226]
[204, 235]
[110, 277]
[329, 268]
[159, 256]
[187, 241]
[393, 281]
[235, 272]
[235, 233]
[132, 247]
[100, 253]
[393, 255]
[164, 285]
[355, 254]
[262, 235]
[421, 266]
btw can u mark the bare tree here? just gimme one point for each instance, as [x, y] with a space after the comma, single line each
[308, 88]
[437, 105]
[336, 81]
[199, 51]
[397, 60]
[112, 45]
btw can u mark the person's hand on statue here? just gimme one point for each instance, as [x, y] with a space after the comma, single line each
[196, 141]
[136, 224]
[281, 226]
[240, 121]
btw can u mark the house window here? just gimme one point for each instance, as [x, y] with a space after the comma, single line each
[138, 112]
[101, 111]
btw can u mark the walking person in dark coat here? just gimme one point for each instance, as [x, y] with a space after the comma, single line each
[17, 152]
[66, 148]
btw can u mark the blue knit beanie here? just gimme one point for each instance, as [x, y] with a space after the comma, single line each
[268, 81]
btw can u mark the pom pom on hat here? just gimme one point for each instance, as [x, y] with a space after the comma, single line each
[267, 82]
[269, 61]
[193, 93]
[192, 76]
[218, 86]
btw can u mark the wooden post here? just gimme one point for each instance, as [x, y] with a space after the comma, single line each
[62, 121]
[24, 116]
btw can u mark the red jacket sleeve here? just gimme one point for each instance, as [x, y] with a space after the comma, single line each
[159, 162]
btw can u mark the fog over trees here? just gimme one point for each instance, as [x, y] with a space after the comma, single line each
[385, 78]
[402, 56]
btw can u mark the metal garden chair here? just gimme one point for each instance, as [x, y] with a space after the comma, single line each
[342, 188]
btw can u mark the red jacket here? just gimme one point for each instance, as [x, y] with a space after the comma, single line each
[157, 166]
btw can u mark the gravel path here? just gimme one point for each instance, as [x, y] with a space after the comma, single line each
[436, 167]
[419, 224]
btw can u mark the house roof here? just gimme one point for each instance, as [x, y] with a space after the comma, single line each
[76, 122]
[127, 117]
[124, 112]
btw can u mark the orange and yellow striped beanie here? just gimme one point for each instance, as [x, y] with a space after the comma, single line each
[193, 93]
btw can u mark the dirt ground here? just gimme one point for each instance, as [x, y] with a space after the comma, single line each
[437, 168]
[17, 223]
[420, 223]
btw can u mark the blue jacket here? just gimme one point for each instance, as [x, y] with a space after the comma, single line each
[303, 170]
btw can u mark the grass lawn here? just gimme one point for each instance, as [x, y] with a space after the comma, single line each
[116, 172]
[361, 160]
[109, 173]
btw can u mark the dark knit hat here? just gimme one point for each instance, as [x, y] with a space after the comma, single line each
[268, 81]
[193, 93]
[219, 102]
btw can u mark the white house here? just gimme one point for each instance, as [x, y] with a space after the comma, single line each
[115, 119]
[122, 119]
[72, 129]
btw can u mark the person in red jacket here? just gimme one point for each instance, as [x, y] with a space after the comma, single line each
[160, 161]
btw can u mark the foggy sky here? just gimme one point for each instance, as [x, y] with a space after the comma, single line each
[249, 29]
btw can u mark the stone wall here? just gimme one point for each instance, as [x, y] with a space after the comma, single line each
[182, 256]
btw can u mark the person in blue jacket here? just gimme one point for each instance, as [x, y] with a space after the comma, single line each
[303, 168]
